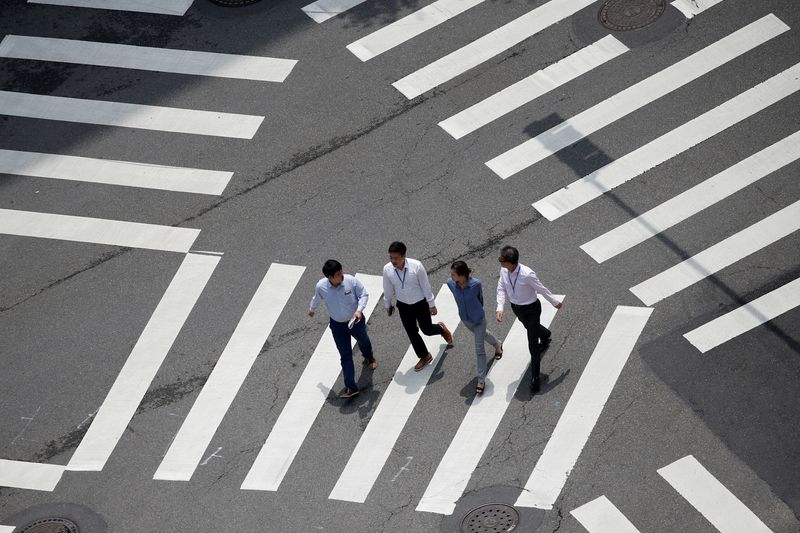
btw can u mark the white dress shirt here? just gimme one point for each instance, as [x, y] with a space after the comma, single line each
[522, 287]
[409, 285]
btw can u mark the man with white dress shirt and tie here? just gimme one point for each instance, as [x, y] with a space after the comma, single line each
[521, 286]
[406, 280]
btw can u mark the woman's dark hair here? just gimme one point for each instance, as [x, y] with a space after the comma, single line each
[509, 254]
[397, 247]
[461, 268]
[331, 267]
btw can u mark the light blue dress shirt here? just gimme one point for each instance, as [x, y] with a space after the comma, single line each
[342, 301]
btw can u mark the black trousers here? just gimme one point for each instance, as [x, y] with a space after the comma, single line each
[418, 313]
[530, 315]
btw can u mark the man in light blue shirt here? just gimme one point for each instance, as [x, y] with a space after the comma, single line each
[346, 297]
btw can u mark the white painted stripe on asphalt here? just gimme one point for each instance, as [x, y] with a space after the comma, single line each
[690, 8]
[303, 405]
[7, 529]
[602, 516]
[584, 407]
[229, 373]
[159, 7]
[485, 412]
[323, 10]
[32, 476]
[143, 363]
[392, 413]
[723, 254]
[636, 96]
[106, 171]
[408, 27]
[534, 86]
[129, 115]
[96, 230]
[488, 46]
[706, 494]
[694, 200]
[146, 58]
[670, 144]
[744, 318]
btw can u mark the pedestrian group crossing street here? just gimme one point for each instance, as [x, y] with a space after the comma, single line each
[687, 476]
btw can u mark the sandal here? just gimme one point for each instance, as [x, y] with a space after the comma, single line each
[479, 388]
[498, 354]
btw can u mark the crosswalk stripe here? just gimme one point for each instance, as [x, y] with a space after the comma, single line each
[146, 58]
[159, 7]
[106, 171]
[670, 144]
[96, 230]
[584, 407]
[486, 411]
[636, 96]
[690, 8]
[143, 363]
[303, 405]
[409, 27]
[746, 317]
[723, 254]
[534, 86]
[694, 200]
[229, 372]
[129, 115]
[387, 422]
[706, 494]
[32, 476]
[602, 516]
[7, 529]
[488, 46]
[322, 10]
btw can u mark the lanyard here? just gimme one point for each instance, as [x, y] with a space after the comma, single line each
[514, 283]
[403, 279]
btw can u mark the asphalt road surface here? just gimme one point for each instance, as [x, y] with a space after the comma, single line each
[164, 216]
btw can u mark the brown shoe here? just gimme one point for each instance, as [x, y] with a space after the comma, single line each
[372, 364]
[448, 337]
[423, 362]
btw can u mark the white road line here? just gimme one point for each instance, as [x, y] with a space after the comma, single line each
[7, 529]
[636, 96]
[409, 27]
[533, 86]
[323, 10]
[97, 230]
[143, 363]
[720, 255]
[106, 171]
[488, 46]
[146, 58]
[32, 476]
[670, 144]
[146, 117]
[159, 7]
[401, 396]
[230, 371]
[486, 412]
[303, 406]
[602, 516]
[706, 494]
[744, 318]
[694, 200]
[690, 8]
[584, 407]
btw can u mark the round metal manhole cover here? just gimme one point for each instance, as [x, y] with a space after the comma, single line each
[492, 518]
[626, 15]
[51, 525]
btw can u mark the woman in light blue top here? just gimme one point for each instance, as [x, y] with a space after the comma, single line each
[468, 294]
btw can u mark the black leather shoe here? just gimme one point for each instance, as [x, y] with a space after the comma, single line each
[536, 384]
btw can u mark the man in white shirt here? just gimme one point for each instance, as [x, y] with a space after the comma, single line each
[520, 284]
[406, 280]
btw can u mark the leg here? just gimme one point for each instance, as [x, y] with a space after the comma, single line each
[529, 316]
[359, 333]
[423, 314]
[479, 330]
[341, 336]
[409, 319]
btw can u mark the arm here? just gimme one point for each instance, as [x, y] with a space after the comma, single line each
[533, 280]
[363, 296]
[425, 285]
[501, 297]
[312, 306]
[388, 291]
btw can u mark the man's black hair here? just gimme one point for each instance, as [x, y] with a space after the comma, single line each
[397, 247]
[509, 254]
[331, 267]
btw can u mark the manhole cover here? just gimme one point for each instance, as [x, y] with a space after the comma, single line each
[495, 517]
[51, 525]
[625, 15]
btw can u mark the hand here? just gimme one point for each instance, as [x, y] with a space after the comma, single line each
[310, 312]
[357, 316]
[558, 306]
[433, 310]
[499, 316]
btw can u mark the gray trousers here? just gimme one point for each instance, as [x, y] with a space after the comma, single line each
[482, 336]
